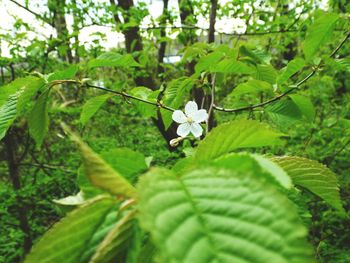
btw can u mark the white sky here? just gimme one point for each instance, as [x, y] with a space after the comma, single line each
[9, 9]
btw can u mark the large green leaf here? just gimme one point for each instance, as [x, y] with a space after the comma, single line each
[116, 243]
[236, 135]
[100, 173]
[92, 106]
[252, 86]
[319, 33]
[217, 215]
[113, 59]
[8, 112]
[29, 85]
[292, 67]
[14, 99]
[38, 119]
[313, 176]
[126, 161]
[68, 239]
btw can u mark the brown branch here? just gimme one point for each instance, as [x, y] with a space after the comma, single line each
[292, 87]
[33, 13]
[122, 94]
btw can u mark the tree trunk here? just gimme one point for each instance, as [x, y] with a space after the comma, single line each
[57, 8]
[14, 176]
[133, 43]
[212, 20]
[162, 47]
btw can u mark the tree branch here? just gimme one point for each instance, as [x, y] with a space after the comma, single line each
[122, 94]
[292, 87]
[33, 13]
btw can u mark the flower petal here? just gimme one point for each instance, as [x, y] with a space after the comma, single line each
[184, 129]
[179, 116]
[190, 107]
[199, 116]
[196, 130]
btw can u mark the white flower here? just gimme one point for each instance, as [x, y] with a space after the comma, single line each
[189, 121]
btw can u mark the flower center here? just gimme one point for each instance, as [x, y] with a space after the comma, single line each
[189, 120]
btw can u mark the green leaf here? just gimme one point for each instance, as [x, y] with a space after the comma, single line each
[68, 73]
[38, 119]
[113, 59]
[67, 240]
[266, 73]
[217, 215]
[30, 85]
[206, 62]
[144, 93]
[232, 66]
[292, 67]
[174, 96]
[100, 173]
[252, 86]
[284, 113]
[92, 106]
[126, 161]
[313, 176]
[116, 243]
[319, 33]
[8, 112]
[305, 106]
[236, 135]
[72, 200]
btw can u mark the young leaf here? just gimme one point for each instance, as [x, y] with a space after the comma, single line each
[236, 135]
[100, 173]
[292, 67]
[206, 62]
[69, 238]
[266, 73]
[252, 86]
[284, 113]
[38, 119]
[145, 109]
[68, 73]
[305, 106]
[216, 215]
[113, 59]
[313, 176]
[319, 33]
[230, 65]
[92, 106]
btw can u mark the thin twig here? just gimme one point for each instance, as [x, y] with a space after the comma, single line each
[122, 94]
[292, 87]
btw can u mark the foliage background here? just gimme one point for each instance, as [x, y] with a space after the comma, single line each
[275, 33]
